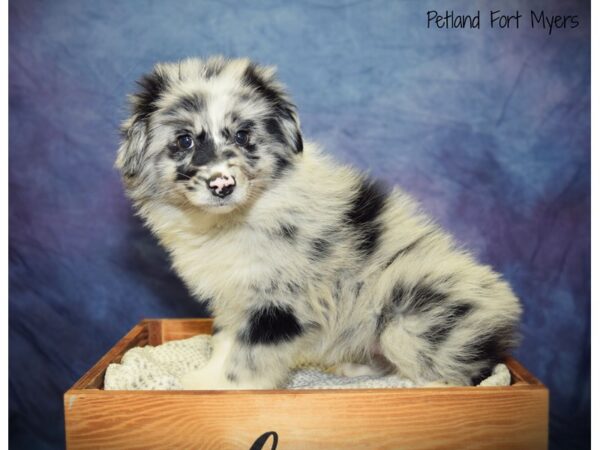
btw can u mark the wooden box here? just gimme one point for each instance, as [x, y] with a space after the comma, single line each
[513, 417]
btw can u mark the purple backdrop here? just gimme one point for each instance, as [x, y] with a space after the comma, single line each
[489, 129]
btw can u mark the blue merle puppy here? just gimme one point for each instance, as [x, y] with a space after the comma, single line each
[302, 260]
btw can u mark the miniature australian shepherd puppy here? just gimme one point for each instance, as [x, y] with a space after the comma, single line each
[301, 259]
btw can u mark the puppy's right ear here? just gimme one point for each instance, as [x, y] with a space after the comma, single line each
[130, 156]
[133, 144]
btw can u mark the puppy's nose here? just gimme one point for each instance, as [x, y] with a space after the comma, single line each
[221, 184]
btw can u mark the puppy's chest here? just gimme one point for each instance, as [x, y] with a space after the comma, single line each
[234, 262]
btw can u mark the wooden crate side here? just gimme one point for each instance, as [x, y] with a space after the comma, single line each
[147, 332]
[519, 413]
[155, 331]
[466, 418]
[173, 329]
[520, 375]
[94, 378]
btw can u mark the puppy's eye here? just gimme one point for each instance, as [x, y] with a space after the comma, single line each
[242, 137]
[185, 142]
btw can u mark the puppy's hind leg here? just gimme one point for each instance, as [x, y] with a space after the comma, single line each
[406, 351]
[446, 352]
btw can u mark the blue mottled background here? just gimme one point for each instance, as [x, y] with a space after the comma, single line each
[489, 129]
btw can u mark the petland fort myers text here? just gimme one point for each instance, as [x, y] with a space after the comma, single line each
[502, 20]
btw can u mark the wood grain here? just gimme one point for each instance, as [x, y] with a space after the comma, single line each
[484, 418]
[513, 417]
[173, 329]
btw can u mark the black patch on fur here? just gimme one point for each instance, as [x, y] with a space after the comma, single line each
[251, 149]
[273, 127]
[391, 308]
[226, 134]
[153, 85]
[288, 231]
[191, 103]
[250, 154]
[229, 154]
[419, 299]
[422, 299]
[272, 325]
[246, 125]
[204, 151]
[490, 347]
[366, 207]
[397, 294]
[299, 143]
[320, 249]
[440, 332]
[386, 314]
[281, 165]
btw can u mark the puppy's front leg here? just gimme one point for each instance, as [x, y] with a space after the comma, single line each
[235, 364]
[213, 374]
[258, 356]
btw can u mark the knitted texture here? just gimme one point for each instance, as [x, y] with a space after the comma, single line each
[161, 368]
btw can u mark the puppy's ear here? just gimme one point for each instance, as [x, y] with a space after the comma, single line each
[131, 153]
[283, 123]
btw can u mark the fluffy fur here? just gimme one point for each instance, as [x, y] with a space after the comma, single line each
[305, 260]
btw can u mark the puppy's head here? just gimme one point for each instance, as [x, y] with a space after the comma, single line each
[209, 133]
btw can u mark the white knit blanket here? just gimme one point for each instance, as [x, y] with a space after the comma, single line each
[162, 367]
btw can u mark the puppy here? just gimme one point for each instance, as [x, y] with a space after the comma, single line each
[301, 260]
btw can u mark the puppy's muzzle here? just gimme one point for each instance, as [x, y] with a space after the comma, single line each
[221, 185]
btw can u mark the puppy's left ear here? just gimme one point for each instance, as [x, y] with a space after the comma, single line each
[283, 123]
